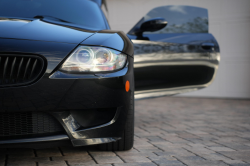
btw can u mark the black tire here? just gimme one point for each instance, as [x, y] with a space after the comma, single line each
[127, 140]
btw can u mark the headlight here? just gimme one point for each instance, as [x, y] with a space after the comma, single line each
[94, 59]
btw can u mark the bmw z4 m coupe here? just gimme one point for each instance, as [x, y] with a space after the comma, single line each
[65, 76]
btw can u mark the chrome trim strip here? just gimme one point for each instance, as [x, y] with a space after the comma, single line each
[38, 139]
[176, 63]
[165, 92]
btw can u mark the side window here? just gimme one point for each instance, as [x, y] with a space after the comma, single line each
[181, 19]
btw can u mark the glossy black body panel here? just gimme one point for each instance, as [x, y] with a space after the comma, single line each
[180, 57]
[168, 64]
[40, 30]
[54, 52]
[86, 14]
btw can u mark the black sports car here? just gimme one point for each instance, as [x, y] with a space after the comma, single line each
[65, 76]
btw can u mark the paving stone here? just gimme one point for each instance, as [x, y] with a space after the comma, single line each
[187, 136]
[160, 160]
[182, 153]
[52, 163]
[150, 146]
[240, 164]
[149, 150]
[21, 152]
[214, 156]
[135, 159]
[156, 139]
[192, 158]
[204, 163]
[75, 160]
[100, 153]
[197, 145]
[237, 146]
[162, 157]
[200, 150]
[135, 153]
[96, 165]
[21, 163]
[167, 145]
[130, 152]
[220, 149]
[23, 159]
[73, 151]
[235, 163]
[166, 154]
[81, 162]
[48, 152]
[107, 159]
[164, 162]
[136, 164]
[67, 158]
[237, 155]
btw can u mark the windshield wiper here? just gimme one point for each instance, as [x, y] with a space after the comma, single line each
[45, 16]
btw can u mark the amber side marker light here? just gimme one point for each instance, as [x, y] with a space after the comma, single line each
[127, 86]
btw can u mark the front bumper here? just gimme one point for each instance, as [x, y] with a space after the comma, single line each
[61, 94]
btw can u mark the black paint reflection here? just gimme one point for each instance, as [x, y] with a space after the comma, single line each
[181, 19]
[170, 68]
[81, 13]
[178, 58]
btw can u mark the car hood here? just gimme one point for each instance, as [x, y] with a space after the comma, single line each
[41, 30]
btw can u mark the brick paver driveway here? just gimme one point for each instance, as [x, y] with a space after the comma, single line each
[169, 131]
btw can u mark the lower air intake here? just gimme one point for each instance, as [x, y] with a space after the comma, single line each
[28, 123]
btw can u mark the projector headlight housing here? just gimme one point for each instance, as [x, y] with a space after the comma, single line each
[94, 59]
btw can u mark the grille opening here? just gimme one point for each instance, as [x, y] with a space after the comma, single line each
[19, 69]
[28, 124]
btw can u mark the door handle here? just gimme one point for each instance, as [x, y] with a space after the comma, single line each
[207, 46]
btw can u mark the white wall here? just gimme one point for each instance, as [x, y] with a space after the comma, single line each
[229, 22]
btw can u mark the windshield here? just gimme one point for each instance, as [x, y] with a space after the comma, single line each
[81, 12]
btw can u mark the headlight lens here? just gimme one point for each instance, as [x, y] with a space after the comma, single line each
[94, 59]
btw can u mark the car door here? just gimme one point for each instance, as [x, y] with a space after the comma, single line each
[173, 51]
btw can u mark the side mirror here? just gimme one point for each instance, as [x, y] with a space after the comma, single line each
[154, 24]
[151, 25]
